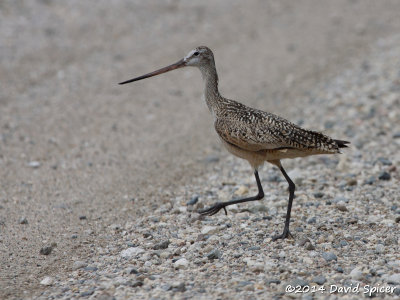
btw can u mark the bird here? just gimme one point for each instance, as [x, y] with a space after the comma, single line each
[251, 134]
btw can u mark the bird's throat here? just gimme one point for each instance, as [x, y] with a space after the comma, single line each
[211, 93]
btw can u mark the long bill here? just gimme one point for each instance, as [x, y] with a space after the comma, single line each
[174, 66]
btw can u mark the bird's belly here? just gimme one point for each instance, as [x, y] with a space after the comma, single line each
[257, 158]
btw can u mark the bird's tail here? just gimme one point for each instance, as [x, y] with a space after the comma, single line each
[342, 144]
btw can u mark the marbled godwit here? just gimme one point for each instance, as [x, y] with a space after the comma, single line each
[252, 134]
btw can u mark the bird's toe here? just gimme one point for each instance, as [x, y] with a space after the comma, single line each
[213, 209]
[286, 234]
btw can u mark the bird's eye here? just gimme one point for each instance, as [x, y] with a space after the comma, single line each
[196, 53]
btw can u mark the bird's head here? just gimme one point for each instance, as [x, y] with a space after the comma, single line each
[198, 57]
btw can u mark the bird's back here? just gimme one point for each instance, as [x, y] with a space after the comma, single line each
[255, 130]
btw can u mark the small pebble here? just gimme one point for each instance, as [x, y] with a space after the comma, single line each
[303, 241]
[329, 256]
[371, 180]
[384, 176]
[299, 282]
[384, 161]
[341, 207]
[340, 199]
[131, 270]
[23, 220]
[181, 263]
[46, 250]
[137, 283]
[319, 279]
[275, 281]
[258, 208]
[90, 269]
[318, 195]
[255, 266]
[351, 182]
[394, 279]
[179, 286]
[254, 248]
[193, 200]
[79, 264]
[244, 283]
[209, 230]
[162, 245]
[309, 246]
[339, 269]
[312, 220]
[131, 252]
[379, 249]
[356, 273]
[214, 254]
[47, 281]
[242, 190]
[166, 287]
[34, 164]
[86, 293]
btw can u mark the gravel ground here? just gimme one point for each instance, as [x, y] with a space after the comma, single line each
[92, 174]
[345, 221]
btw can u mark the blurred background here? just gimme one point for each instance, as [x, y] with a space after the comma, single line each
[73, 143]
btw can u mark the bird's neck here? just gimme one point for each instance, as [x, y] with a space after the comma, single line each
[211, 93]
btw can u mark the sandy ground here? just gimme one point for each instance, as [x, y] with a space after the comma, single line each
[79, 153]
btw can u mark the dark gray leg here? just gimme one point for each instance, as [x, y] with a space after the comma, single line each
[219, 205]
[292, 187]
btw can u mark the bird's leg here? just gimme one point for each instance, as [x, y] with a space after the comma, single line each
[292, 187]
[219, 205]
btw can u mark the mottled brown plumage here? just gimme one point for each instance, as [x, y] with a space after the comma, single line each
[252, 134]
[265, 134]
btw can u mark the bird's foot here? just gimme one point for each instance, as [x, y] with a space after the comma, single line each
[286, 234]
[213, 209]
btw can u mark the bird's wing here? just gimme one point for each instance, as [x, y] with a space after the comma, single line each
[245, 136]
[256, 130]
